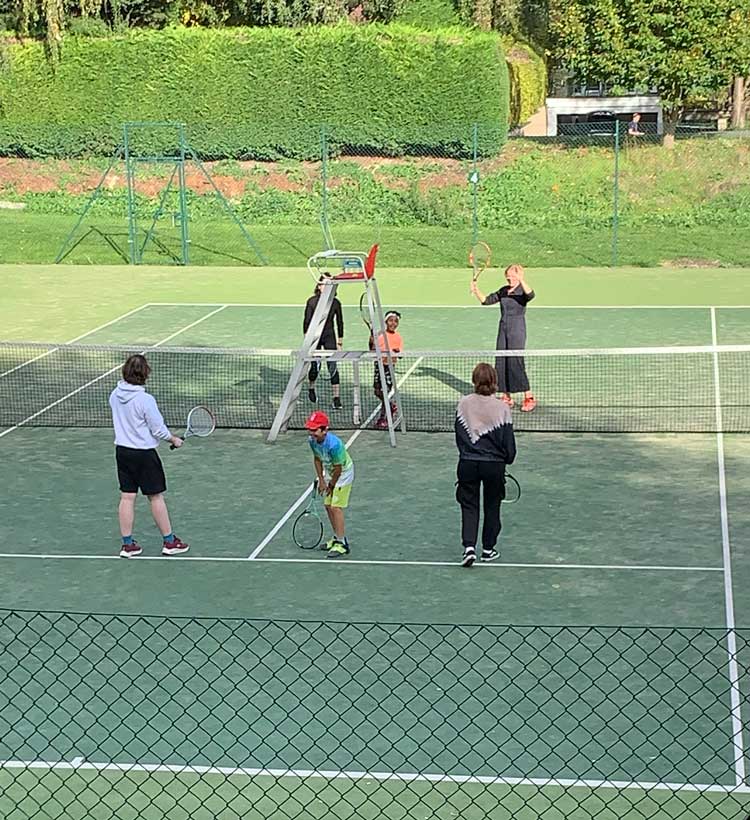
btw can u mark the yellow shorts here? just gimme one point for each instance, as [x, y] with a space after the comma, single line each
[339, 497]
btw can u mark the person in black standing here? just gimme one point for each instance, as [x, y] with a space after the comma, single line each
[511, 334]
[485, 441]
[330, 339]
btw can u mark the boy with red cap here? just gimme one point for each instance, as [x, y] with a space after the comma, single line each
[335, 471]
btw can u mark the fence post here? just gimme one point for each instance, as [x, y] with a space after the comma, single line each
[475, 188]
[616, 197]
[184, 227]
[324, 224]
[130, 175]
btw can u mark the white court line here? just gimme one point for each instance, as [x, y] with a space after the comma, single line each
[78, 764]
[290, 512]
[104, 375]
[733, 667]
[72, 341]
[228, 559]
[459, 307]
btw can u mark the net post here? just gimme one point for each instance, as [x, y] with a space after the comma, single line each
[356, 398]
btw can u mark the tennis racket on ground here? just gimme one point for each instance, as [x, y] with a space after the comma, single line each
[307, 531]
[200, 422]
[480, 257]
[512, 490]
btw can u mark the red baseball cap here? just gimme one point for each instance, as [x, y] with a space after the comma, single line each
[316, 420]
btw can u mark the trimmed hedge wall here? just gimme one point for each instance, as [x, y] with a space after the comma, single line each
[528, 82]
[261, 93]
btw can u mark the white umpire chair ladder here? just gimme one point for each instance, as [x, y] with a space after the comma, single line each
[357, 269]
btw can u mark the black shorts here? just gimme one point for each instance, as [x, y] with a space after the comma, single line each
[376, 385]
[140, 470]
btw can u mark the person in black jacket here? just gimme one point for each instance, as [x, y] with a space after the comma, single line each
[485, 441]
[330, 339]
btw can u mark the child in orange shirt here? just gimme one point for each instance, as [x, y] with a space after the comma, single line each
[395, 345]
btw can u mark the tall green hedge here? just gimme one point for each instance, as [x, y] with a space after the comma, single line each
[528, 81]
[261, 93]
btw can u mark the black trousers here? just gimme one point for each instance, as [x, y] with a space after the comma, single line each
[333, 370]
[473, 478]
[511, 370]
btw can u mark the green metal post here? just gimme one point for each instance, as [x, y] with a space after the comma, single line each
[184, 227]
[616, 197]
[475, 189]
[132, 217]
[324, 194]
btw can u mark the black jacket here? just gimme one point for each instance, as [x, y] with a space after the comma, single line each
[484, 430]
[328, 338]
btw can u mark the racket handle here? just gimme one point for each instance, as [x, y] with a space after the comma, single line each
[172, 447]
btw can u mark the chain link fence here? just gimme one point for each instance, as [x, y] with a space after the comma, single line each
[105, 716]
[593, 195]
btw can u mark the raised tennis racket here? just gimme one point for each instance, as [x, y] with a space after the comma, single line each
[364, 311]
[200, 422]
[512, 490]
[307, 531]
[480, 257]
[364, 314]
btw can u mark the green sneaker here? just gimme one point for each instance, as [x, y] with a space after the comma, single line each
[338, 549]
[326, 545]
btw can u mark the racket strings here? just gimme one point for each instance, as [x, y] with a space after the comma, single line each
[479, 257]
[512, 489]
[308, 530]
[201, 421]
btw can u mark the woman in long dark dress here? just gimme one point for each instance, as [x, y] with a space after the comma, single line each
[511, 334]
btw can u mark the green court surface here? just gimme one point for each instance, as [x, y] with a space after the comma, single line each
[613, 534]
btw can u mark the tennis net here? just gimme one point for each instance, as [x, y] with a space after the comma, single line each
[679, 389]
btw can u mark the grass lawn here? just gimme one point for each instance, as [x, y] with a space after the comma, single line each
[37, 239]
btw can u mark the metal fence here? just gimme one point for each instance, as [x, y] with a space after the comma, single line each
[593, 195]
[105, 716]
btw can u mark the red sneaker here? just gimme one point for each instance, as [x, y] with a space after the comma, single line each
[508, 399]
[130, 550]
[175, 547]
[529, 403]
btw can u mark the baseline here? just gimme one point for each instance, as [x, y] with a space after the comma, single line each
[79, 764]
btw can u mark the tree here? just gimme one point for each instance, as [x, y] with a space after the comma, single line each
[685, 50]
[740, 89]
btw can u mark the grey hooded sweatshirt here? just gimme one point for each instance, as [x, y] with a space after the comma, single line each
[137, 420]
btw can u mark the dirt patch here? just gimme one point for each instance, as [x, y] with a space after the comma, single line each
[20, 176]
[689, 262]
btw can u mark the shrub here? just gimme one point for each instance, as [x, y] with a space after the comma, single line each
[260, 93]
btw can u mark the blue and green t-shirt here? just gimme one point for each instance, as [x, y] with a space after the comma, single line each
[331, 452]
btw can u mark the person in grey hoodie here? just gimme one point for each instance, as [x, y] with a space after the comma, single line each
[139, 427]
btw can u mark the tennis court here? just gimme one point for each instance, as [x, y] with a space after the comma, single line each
[626, 533]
